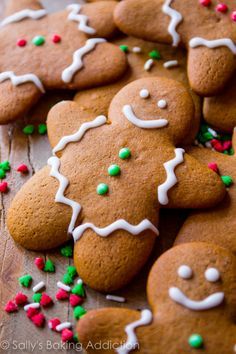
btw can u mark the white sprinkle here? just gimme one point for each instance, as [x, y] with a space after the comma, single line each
[62, 326]
[149, 63]
[60, 285]
[213, 132]
[137, 50]
[115, 298]
[162, 104]
[144, 93]
[33, 305]
[38, 286]
[170, 64]
[79, 281]
[208, 145]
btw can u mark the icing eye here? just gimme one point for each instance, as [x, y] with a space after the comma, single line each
[144, 93]
[212, 275]
[162, 104]
[185, 272]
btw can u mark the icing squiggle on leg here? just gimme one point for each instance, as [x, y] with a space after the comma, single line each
[21, 15]
[21, 79]
[176, 18]
[171, 179]
[81, 19]
[222, 42]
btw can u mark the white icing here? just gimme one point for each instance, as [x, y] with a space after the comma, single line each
[77, 64]
[115, 298]
[38, 286]
[117, 225]
[21, 79]
[222, 42]
[132, 340]
[185, 272]
[62, 326]
[54, 162]
[162, 104]
[149, 63]
[170, 63]
[137, 50]
[97, 122]
[212, 275]
[176, 18]
[209, 302]
[171, 179]
[33, 305]
[213, 132]
[81, 19]
[145, 124]
[21, 15]
[144, 93]
[62, 286]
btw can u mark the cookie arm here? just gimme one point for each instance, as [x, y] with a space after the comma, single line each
[13, 6]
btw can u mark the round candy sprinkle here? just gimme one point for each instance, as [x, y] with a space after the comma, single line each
[227, 180]
[124, 48]
[22, 168]
[3, 187]
[155, 54]
[195, 341]
[28, 129]
[233, 16]
[56, 38]
[222, 7]
[113, 170]
[124, 153]
[212, 275]
[144, 93]
[205, 2]
[38, 40]
[102, 189]
[162, 104]
[21, 42]
[42, 129]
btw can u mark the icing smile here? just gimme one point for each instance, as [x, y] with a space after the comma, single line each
[209, 302]
[145, 124]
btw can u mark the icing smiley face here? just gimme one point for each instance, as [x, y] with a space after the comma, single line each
[211, 301]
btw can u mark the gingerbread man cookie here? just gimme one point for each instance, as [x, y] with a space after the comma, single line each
[41, 51]
[216, 225]
[207, 32]
[108, 179]
[191, 291]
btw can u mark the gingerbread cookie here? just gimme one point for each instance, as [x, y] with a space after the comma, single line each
[111, 179]
[164, 60]
[208, 33]
[43, 51]
[191, 291]
[216, 225]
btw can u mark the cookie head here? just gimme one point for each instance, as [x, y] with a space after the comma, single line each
[202, 277]
[157, 103]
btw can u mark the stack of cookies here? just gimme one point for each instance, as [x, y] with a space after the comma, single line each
[148, 77]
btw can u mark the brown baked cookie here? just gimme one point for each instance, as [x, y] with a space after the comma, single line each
[191, 291]
[110, 181]
[216, 225]
[207, 33]
[169, 62]
[41, 51]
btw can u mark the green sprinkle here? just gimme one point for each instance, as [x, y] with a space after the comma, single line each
[225, 152]
[195, 341]
[155, 54]
[124, 48]
[102, 189]
[67, 279]
[49, 266]
[42, 129]
[71, 270]
[79, 311]
[207, 136]
[78, 289]
[5, 165]
[2, 173]
[37, 297]
[227, 180]
[28, 129]
[231, 151]
[76, 338]
[25, 280]
[67, 251]
[113, 170]
[124, 153]
[38, 40]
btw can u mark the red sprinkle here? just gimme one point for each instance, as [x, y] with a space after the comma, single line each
[222, 7]
[39, 262]
[66, 335]
[205, 2]
[75, 300]
[233, 16]
[38, 319]
[62, 295]
[213, 166]
[3, 187]
[46, 300]
[56, 38]
[22, 168]
[32, 312]
[227, 144]
[216, 144]
[53, 323]
[11, 307]
[21, 42]
[21, 299]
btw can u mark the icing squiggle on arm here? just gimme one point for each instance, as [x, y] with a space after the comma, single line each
[176, 18]
[145, 124]
[171, 179]
[117, 225]
[132, 340]
[21, 15]
[21, 79]
[222, 42]
[97, 122]
[68, 73]
[81, 19]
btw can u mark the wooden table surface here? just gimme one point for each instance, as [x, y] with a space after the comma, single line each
[17, 333]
